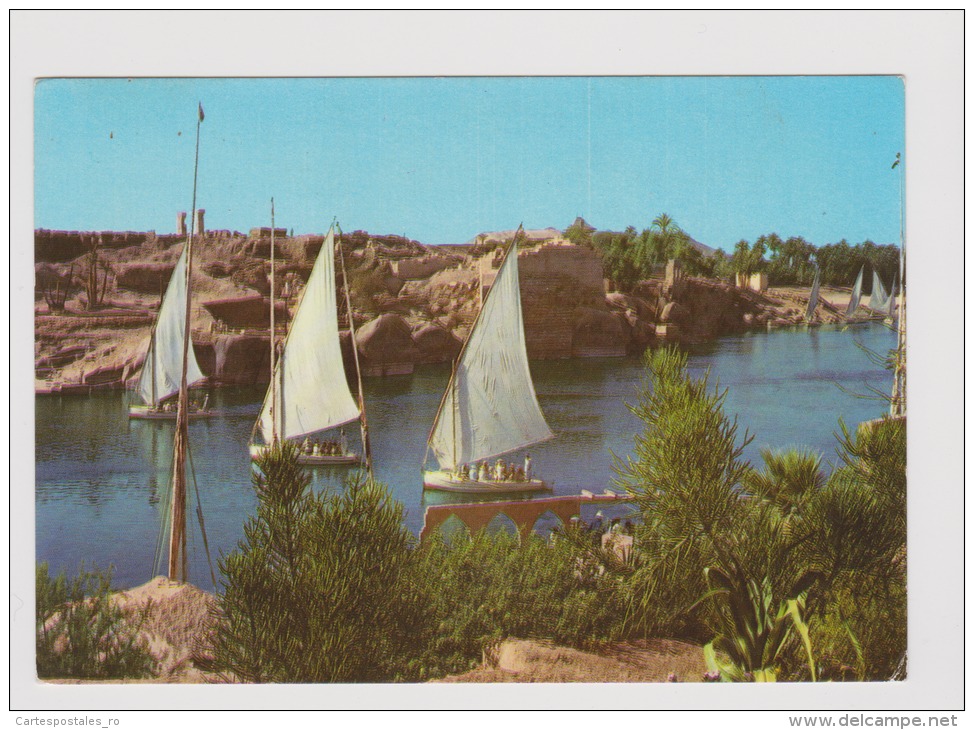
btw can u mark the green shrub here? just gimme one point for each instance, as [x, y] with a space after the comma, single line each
[784, 547]
[320, 589]
[685, 475]
[492, 586]
[82, 633]
[855, 531]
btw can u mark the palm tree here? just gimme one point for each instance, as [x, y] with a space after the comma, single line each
[665, 228]
[789, 478]
[663, 223]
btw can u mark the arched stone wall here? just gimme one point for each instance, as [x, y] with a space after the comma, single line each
[524, 514]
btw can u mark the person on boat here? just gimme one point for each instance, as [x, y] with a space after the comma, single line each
[206, 402]
[519, 475]
[482, 472]
[499, 470]
[306, 446]
[597, 522]
[343, 442]
[464, 471]
[316, 449]
[527, 467]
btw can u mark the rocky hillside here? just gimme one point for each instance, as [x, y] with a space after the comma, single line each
[96, 296]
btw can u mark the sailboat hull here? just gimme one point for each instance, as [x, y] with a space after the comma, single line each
[445, 481]
[257, 450]
[147, 413]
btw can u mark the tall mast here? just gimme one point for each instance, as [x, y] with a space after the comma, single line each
[152, 366]
[177, 528]
[456, 399]
[898, 403]
[363, 423]
[272, 340]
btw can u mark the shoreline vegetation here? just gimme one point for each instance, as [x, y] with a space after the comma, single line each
[585, 293]
[737, 572]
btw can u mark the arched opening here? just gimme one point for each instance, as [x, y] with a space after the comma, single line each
[547, 523]
[453, 529]
[501, 523]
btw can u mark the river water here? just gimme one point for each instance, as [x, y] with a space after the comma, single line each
[101, 479]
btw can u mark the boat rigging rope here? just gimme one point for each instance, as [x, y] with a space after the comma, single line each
[199, 514]
[164, 524]
[163, 529]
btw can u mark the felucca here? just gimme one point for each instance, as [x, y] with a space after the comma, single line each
[308, 391]
[879, 300]
[813, 297]
[856, 295]
[162, 369]
[490, 407]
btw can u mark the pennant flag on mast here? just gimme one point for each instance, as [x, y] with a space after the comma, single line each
[201, 111]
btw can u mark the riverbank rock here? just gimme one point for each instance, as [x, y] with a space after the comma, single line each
[237, 359]
[674, 313]
[707, 309]
[424, 267]
[598, 333]
[386, 346]
[151, 278]
[398, 284]
[435, 344]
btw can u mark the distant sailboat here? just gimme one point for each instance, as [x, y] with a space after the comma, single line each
[891, 306]
[856, 295]
[879, 300]
[490, 407]
[813, 298]
[162, 368]
[308, 392]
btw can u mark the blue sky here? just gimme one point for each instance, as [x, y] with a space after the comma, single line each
[442, 159]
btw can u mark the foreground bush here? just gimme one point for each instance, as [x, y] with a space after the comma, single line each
[319, 589]
[856, 533]
[685, 474]
[788, 573]
[81, 633]
[489, 587]
[334, 588]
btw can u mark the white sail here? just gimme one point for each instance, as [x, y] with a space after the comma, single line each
[164, 359]
[490, 406]
[813, 298]
[312, 392]
[856, 295]
[879, 299]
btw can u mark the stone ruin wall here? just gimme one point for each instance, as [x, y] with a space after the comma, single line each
[555, 281]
